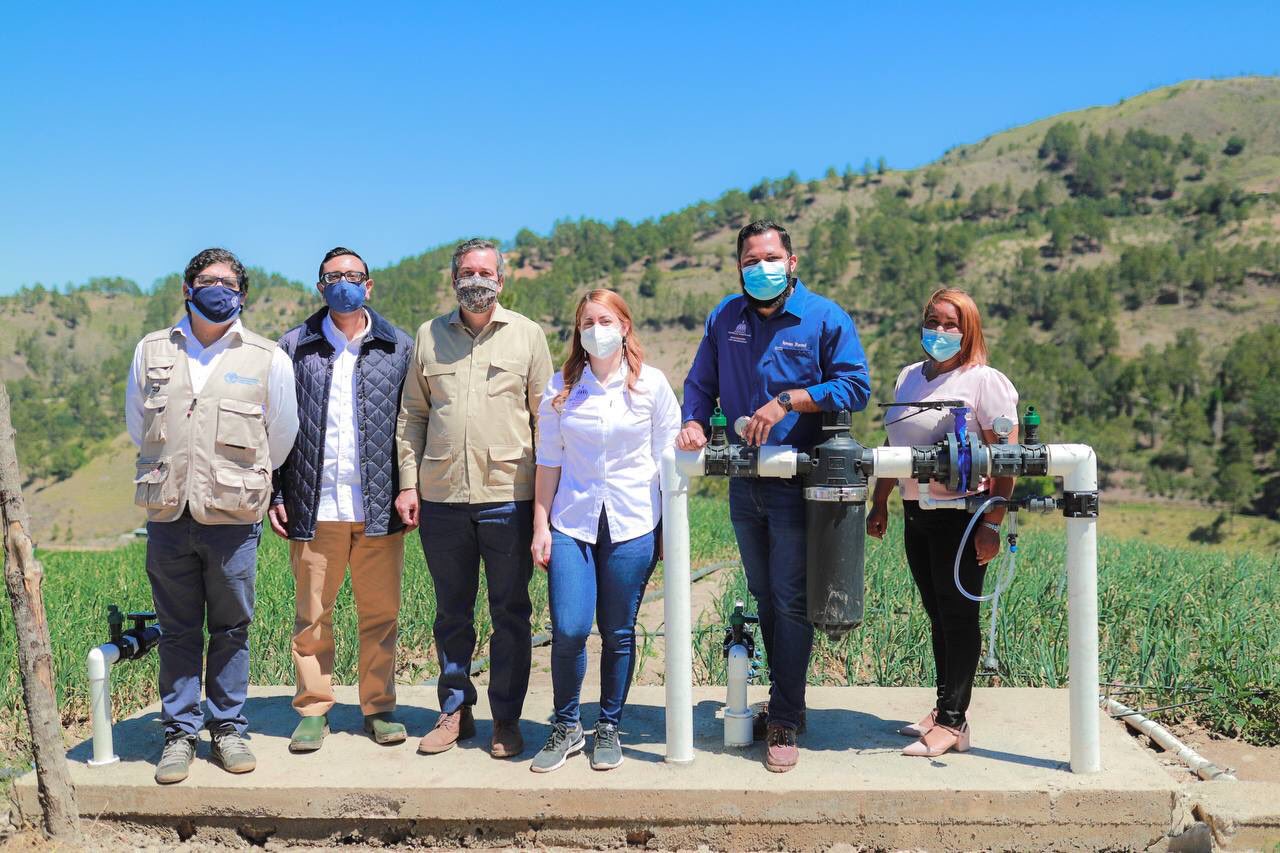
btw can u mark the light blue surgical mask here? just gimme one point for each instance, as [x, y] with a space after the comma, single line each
[940, 345]
[765, 280]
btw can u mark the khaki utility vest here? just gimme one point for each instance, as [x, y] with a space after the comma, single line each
[209, 452]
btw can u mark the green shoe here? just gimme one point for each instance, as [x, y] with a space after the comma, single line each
[310, 734]
[384, 728]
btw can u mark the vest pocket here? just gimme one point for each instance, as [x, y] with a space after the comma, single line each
[153, 488]
[153, 419]
[240, 489]
[159, 372]
[241, 429]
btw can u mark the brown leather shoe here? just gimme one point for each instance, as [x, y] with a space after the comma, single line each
[782, 753]
[449, 729]
[507, 741]
[760, 722]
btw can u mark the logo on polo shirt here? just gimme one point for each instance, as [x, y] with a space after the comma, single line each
[233, 378]
[740, 334]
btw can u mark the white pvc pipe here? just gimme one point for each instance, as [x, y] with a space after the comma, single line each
[737, 714]
[1078, 467]
[891, 462]
[100, 660]
[1201, 766]
[776, 461]
[677, 467]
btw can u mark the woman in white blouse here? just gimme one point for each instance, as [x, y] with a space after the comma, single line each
[604, 421]
[955, 369]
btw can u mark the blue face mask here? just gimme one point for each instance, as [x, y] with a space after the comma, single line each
[940, 345]
[214, 304]
[344, 296]
[765, 280]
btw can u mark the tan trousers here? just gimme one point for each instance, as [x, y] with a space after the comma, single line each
[319, 567]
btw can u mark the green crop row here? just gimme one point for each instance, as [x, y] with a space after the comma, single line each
[1200, 624]
[1185, 623]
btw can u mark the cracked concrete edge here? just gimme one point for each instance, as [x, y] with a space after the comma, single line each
[1240, 815]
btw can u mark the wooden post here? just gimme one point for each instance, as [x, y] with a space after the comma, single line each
[23, 575]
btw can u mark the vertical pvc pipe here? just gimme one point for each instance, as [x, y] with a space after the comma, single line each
[738, 719]
[678, 611]
[1078, 467]
[100, 660]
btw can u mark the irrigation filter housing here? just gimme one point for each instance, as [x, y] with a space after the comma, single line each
[836, 475]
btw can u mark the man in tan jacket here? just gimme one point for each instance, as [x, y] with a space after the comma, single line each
[213, 411]
[465, 436]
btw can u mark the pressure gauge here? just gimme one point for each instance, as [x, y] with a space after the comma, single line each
[1003, 428]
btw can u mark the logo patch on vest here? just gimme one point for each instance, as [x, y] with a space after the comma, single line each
[233, 378]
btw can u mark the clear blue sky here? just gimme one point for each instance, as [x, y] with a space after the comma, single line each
[135, 134]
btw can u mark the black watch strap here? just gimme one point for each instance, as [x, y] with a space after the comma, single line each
[784, 400]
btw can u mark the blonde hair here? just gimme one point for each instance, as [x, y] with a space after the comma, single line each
[632, 351]
[973, 346]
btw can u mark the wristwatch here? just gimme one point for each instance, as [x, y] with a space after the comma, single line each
[991, 525]
[784, 400]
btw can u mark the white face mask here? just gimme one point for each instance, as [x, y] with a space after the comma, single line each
[601, 341]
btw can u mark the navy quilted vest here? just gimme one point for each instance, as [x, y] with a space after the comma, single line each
[380, 368]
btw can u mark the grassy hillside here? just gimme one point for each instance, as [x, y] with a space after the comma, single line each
[1127, 258]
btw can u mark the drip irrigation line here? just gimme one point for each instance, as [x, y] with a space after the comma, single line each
[1145, 711]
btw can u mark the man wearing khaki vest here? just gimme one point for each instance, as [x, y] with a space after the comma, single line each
[465, 436]
[213, 411]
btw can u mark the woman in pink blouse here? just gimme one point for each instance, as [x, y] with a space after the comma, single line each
[955, 369]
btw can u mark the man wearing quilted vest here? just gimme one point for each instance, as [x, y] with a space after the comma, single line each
[335, 493]
[212, 409]
[465, 436]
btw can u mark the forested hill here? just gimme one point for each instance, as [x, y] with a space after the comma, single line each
[1127, 258]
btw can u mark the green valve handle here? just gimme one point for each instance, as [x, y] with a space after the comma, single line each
[718, 419]
[1031, 426]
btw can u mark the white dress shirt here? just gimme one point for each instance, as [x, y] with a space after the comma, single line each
[280, 412]
[607, 442]
[340, 495]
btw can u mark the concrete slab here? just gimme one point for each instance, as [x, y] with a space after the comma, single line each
[1012, 790]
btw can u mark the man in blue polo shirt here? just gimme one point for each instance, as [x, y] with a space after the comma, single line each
[780, 354]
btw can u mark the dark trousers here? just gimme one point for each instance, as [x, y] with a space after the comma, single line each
[605, 581]
[931, 538]
[455, 536]
[203, 574]
[768, 519]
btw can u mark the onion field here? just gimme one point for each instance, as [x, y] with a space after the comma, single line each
[1178, 625]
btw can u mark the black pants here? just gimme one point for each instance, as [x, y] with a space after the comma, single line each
[931, 538]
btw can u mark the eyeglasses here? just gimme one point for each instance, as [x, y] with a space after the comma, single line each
[350, 275]
[232, 283]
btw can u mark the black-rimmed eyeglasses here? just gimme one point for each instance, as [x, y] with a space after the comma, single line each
[229, 282]
[350, 275]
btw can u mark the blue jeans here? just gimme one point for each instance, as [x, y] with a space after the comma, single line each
[203, 573]
[454, 538]
[605, 580]
[769, 523]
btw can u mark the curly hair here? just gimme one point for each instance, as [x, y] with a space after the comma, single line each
[208, 258]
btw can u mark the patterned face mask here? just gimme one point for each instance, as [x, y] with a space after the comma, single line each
[476, 293]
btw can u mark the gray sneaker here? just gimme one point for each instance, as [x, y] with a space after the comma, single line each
[175, 760]
[231, 751]
[563, 742]
[606, 747]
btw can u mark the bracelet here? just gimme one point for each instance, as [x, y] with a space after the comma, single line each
[994, 527]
